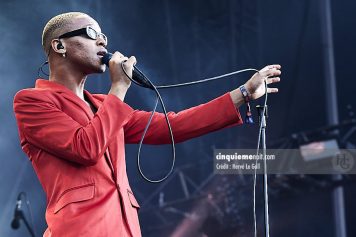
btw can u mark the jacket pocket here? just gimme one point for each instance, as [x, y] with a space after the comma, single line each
[75, 194]
[132, 199]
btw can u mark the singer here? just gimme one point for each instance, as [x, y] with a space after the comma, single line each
[75, 139]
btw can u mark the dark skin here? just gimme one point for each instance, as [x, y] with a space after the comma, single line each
[82, 59]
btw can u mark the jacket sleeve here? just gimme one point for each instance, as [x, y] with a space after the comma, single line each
[196, 121]
[44, 125]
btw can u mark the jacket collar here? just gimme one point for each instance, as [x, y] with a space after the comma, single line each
[46, 84]
[51, 85]
[54, 86]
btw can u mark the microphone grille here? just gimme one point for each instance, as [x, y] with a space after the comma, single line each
[106, 58]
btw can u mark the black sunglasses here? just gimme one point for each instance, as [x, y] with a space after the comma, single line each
[88, 31]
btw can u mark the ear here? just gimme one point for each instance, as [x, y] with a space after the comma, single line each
[58, 46]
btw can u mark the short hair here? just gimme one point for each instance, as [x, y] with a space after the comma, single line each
[54, 25]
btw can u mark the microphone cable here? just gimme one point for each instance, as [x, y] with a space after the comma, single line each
[40, 69]
[159, 98]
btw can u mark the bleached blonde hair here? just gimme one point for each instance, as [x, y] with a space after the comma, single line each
[54, 26]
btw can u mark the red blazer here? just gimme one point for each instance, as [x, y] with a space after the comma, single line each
[79, 156]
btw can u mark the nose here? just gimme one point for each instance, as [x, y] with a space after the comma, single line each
[101, 42]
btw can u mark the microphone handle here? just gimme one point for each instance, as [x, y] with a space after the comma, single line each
[140, 79]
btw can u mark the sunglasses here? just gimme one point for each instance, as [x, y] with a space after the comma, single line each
[88, 31]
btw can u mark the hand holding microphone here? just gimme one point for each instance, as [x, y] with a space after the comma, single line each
[117, 74]
[117, 64]
[132, 73]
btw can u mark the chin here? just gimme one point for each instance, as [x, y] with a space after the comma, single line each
[100, 69]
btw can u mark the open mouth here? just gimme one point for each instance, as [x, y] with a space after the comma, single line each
[101, 53]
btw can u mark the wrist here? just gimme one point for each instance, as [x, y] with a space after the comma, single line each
[236, 97]
[246, 98]
[246, 95]
[118, 90]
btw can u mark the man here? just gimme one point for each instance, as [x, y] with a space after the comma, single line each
[75, 140]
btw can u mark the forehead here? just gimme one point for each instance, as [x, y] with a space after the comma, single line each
[81, 22]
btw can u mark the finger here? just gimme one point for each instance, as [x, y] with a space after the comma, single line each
[117, 58]
[117, 54]
[272, 73]
[277, 66]
[273, 80]
[272, 90]
[129, 62]
[132, 60]
[269, 67]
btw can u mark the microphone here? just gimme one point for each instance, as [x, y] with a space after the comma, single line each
[137, 76]
[15, 223]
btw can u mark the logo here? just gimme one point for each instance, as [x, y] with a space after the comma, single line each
[343, 162]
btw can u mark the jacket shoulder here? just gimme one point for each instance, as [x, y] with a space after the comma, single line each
[35, 97]
[32, 93]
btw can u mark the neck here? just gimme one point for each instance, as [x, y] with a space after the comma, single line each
[71, 79]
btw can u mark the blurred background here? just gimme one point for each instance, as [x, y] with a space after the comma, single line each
[180, 41]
